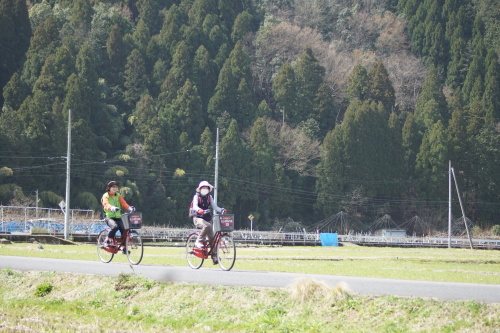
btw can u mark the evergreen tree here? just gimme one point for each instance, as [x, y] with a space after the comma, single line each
[490, 99]
[14, 92]
[160, 71]
[199, 11]
[141, 38]
[261, 172]
[83, 138]
[324, 109]
[234, 174]
[242, 26]
[475, 118]
[263, 110]
[457, 129]
[330, 184]
[285, 90]
[246, 108]
[145, 117]
[477, 66]
[136, 80]
[204, 75]
[457, 66]
[207, 148]
[429, 115]
[358, 83]
[432, 162]
[180, 71]
[149, 13]
[437, 48]
[36, 113]
[187, 105]
[475, 72]
[236, 68]
[365, 140]
[309, 74]
[432, 89]
[15, 34]
[44, 42]
[171, 32]
[81, 17]
[485, 184]
[381, 89]
[397, 167]
[411, 143]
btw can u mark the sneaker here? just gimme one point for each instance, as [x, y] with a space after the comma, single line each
[108, 242]
[214, 258]
[199, 245]
[124, 251]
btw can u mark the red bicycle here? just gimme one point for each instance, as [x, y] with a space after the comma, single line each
[130, 242]
[221, 246]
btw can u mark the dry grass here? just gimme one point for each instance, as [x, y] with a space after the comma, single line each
[128, 303]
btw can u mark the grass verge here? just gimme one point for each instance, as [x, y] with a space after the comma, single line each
[64, 302]
[447, 265]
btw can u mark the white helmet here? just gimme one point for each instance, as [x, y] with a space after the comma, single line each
[204, 184]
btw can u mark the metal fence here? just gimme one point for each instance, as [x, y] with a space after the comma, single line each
[23, 220]
[15, 219]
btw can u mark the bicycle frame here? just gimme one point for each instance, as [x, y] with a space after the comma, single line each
[130, 243]
[117, 248]
[207, 252]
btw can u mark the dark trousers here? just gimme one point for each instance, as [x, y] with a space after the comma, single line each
[115, 224]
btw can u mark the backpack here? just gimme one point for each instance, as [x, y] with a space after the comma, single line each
[193, 212]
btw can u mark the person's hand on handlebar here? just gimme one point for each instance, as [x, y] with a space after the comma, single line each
[131, 209]
[114, 209]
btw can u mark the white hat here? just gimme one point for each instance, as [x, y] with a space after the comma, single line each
[204, 184]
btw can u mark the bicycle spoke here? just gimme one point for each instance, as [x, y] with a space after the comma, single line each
[193, 260]
[134, 247]
[226, 252]
[104, 255]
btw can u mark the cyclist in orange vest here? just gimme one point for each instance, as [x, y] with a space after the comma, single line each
[112, 203]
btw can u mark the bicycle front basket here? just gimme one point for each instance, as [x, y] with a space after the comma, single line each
[223, 222]
[132, 220]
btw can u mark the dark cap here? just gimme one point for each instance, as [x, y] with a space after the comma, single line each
[111, 184]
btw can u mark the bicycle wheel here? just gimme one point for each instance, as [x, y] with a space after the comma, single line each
[104, 255]
[134, 247]
[193, 260]
[226, 252]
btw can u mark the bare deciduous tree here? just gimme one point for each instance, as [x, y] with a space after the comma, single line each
[283, 39]
[296, 151]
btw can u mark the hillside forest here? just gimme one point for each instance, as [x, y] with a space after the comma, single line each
[322, 106]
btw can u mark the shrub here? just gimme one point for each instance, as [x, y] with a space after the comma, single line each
[44, 289]
[495, 230]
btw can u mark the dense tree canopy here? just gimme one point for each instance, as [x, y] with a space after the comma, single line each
[320, 106]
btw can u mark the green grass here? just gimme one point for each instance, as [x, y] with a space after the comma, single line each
[65, 302]
[450, 265]
[127, 303]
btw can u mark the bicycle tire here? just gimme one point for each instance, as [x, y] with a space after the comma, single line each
[226, 252]
[192, 260]
[134, 247]
[104, 255]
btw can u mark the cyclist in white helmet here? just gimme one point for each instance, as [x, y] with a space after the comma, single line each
[200, 210]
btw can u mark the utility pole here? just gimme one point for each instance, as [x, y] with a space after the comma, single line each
[36, 204]
[462, 208]
[68, 163]
[216, 166]
[449, 204]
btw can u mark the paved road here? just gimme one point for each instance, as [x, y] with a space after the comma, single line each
[364, 286]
